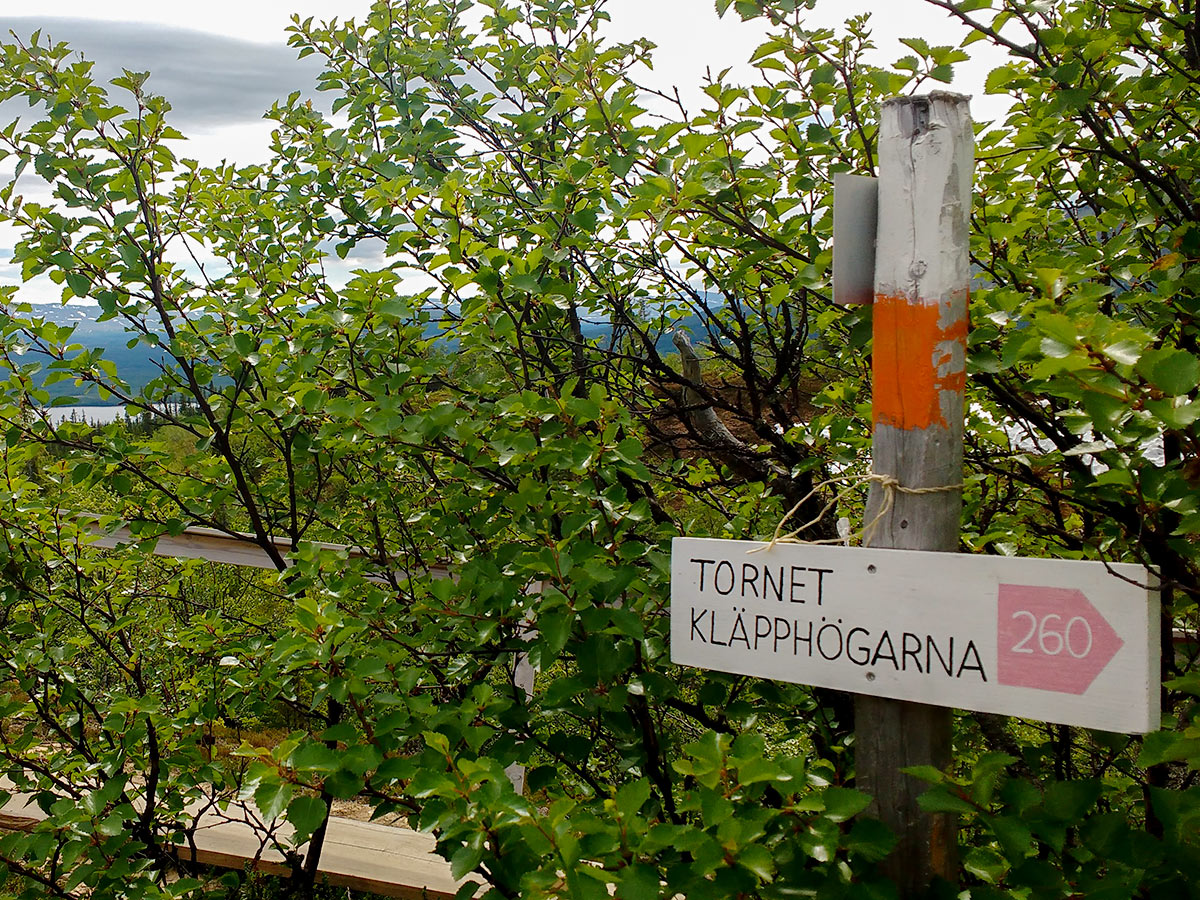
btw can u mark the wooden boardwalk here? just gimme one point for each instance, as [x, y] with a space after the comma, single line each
[363, 856]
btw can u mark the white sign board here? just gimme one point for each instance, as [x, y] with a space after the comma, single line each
[1061, 641]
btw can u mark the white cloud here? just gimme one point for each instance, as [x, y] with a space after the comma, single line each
[262, 21]
[211, 81]
[691, 39]
[222, 64]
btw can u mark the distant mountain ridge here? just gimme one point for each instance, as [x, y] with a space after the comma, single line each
[137, 364]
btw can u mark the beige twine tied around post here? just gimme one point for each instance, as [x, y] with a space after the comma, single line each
[891, 486]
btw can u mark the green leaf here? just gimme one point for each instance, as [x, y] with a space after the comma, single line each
[1067, 801]
[272, 798]
[1167, 746]
[1052, 283]
[758, 860]
[1125, 352]
[932, 774]
[1175, 372]
[315, 757]
[555, 628]
[79, 283]
[1012, 833]
[842, 804]
[1043, 876]
[129, 254]
[306, 814]
[1174, 414]
[759, 769]
[870, 839]
[243, 343]
[639, 882]
[945, 798]
[467, 857]
[343, 785]
[985, 864]
[632, 796]
[997, 80]
[528, 283]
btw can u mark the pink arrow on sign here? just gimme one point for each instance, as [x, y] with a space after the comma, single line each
[1052, 639]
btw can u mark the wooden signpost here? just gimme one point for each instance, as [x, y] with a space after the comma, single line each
[916, 633]
[922, 279]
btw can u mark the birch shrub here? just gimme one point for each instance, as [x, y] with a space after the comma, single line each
[565, 222]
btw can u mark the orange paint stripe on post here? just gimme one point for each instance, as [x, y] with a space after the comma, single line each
[922, 267]
[916, 363]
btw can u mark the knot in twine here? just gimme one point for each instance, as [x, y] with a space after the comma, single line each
[890, 485]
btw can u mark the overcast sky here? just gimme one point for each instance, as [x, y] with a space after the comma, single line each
[221, 63]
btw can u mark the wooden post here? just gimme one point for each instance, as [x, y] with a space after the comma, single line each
[922, 277]
[524, 676]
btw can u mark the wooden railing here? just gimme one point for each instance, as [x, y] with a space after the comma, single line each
[235, 549]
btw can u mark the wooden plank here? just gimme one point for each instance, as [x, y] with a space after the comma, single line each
[236, 548]
[346, 865]
[10, 822]
[922, 279]
[233, 859]
[363, 856]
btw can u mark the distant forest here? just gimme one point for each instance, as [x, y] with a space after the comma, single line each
[138, 364]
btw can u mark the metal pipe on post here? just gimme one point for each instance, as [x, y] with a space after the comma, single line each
[922, 279]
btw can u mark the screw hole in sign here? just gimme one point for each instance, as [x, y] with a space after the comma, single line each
[1052, 639]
